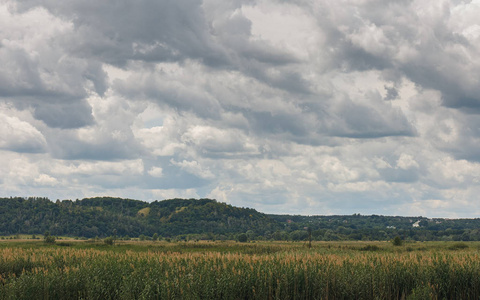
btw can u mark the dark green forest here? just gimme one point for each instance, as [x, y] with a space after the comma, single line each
[208, 219]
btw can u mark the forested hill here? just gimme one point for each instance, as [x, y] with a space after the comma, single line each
[209, 219]
[105, 216]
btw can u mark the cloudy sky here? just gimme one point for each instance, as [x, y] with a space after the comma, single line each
[300, 107]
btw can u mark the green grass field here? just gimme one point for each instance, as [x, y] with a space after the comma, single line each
[72, 269]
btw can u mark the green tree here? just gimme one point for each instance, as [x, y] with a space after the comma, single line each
[50, 239]
[397, 241]
[423, 223]
[109, 240]
[250, 234]
[299, 235]
[242, 238]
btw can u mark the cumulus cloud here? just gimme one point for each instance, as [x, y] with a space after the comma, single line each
[39, 73]
[45, 180]
[288, 107]
[194, 168]
[214, 142]
[148, 30]
[20, 136]
[156, 172]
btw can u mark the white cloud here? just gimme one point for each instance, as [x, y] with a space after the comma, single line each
[156, 172]
[216, 141]
[45, 180]
[131, 167]
[406, 162]
[449, 172]
[20, 136]
[285, 26]
[371, 39]
[193, 167]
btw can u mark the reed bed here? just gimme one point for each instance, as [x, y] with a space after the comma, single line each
[282, 272]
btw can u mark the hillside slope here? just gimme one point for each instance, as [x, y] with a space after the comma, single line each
[104, 216]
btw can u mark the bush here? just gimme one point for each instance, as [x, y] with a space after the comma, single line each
[242, 238]
[48, 238]
[109, 240]
[397, 241]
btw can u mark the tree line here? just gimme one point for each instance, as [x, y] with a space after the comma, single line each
[208, 219]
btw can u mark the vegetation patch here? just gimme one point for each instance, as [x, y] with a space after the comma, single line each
[370, 248]
[458, 246]
[233, 270]
[64, 244]
[144, 212]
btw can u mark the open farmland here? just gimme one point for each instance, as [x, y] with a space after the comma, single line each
[230, 270]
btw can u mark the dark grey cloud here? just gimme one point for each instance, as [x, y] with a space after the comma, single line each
[459, 135]
[355, 119]
[459, 90]
[64, 115]
[392, 93]
[167, 92]
[400, 175]
[278, 123]
[118, 31]
[287, 79]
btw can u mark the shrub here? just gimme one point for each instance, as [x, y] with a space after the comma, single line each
[48, 238]
[109, 240]
[242, 238]
[397, 241]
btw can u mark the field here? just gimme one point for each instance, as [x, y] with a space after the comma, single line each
[231, 270]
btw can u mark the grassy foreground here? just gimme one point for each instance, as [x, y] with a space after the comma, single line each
[230, 270]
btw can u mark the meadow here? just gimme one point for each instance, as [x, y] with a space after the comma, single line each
[232, 270]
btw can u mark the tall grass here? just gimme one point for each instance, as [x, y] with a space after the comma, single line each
[276, 272]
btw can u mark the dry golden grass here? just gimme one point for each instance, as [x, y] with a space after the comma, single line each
[229, 270]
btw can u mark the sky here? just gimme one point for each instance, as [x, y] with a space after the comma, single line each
[288, 107]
